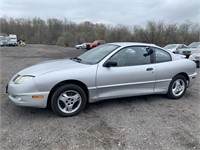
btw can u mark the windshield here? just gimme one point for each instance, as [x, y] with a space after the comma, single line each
[96, 54]
[194, 44]
[170, 46]
[95, 42]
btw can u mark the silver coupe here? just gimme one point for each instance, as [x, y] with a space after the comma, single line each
[108, 71]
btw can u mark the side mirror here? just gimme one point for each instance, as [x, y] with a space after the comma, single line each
[110, 63]
[149, 51]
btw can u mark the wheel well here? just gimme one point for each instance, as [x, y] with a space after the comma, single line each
[76, 82]
[185, 75]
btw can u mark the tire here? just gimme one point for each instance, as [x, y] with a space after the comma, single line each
[80, 47]
[177, 87]
[68, 100]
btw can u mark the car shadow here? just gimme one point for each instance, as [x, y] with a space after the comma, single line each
[125, 101]
[90, 107]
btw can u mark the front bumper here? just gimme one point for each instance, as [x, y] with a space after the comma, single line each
[22, 96]
[26, 99]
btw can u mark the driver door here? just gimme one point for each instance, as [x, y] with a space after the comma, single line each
[133, 75]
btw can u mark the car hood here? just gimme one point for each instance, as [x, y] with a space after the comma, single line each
[51, 66]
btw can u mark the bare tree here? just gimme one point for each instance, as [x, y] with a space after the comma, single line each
[67, 33]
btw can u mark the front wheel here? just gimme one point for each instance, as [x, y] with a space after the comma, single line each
[177, 87]
[68, 100]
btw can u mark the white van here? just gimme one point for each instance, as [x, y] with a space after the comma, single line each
[12, 40]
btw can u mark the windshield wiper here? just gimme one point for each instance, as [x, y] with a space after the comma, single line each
[76, 59]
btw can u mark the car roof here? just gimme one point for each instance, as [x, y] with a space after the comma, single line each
[124, 44]
[175, 44]
[195, 42]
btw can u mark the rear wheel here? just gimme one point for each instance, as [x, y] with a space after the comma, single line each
[177, 87]
[68, 100]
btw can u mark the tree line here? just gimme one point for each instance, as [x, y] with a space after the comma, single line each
[66, 33]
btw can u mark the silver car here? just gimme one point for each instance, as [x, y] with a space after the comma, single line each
[108, 71]
[192, 48]
[3, 41]
[195, 57]
[174, 48]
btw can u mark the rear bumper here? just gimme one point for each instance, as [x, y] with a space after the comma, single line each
[197, 62]
[192, 78]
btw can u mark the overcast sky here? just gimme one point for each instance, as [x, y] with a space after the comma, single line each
[127, 12]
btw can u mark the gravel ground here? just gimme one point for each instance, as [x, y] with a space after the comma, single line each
[136, 123]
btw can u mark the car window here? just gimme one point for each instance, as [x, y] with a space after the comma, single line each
[180, 46]
[170, 46]
[183, 46]
[96, 54]
[161, 55]
[131, 56]
[194, 45]
[95, 42]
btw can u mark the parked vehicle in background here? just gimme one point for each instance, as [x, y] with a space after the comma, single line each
[95, 44]
[81, 46]
[108, 71]
[7, 38]
[195, 57]
[192, 48]
[3, 41]
[12, 40]
[174, 48]
[21, 42]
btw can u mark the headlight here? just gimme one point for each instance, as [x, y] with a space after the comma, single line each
[191, 57]
[23, 79]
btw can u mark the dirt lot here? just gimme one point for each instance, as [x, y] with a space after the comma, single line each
[147, 122]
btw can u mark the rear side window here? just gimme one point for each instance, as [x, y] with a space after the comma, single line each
[161, 56]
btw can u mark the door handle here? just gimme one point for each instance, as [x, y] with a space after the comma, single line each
[149, 69]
